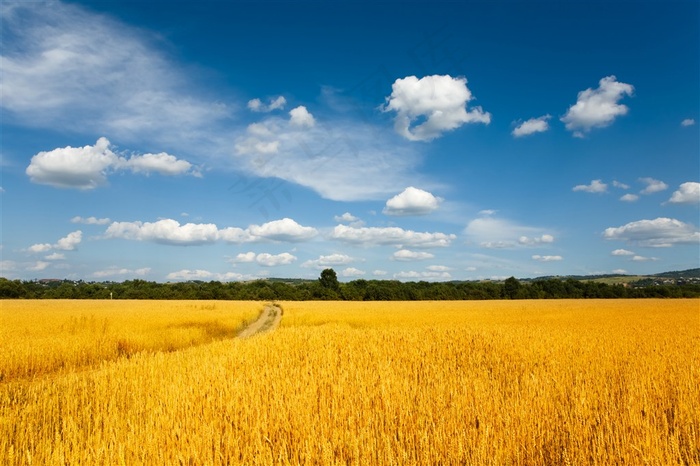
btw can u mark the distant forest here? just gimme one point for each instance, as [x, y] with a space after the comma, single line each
[327, 287]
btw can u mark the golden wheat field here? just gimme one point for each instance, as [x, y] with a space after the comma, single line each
[488, 382]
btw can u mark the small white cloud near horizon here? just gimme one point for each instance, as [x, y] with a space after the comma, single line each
[596, 186]
[620, 185]
[539, 258]
[273, 260]
[496, 233]
[351, 272]
[629, 197]
[544, 239]
[532, 126]
[687, 193]
[329, 260]
[653, 186]
[256, 105]
[412, 201]
[597, 108]
[117, 271]
[390, 236]
[406, 255]
[637, 258]
[439, 100]
[688, 122]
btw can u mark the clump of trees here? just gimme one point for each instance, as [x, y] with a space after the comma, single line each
[327, 287]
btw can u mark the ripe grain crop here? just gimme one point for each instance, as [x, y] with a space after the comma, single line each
[40, 337]
[494, 383]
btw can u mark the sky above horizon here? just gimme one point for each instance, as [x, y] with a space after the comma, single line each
[212, 140]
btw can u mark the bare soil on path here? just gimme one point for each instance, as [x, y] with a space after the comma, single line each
[269, 320]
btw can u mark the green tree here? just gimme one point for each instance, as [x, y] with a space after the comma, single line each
[329, 280]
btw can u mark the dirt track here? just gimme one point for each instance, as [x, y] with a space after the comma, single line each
[268, 320]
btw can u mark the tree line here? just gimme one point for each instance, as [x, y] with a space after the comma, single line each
[327, 287]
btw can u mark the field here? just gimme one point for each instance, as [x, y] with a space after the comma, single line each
[488, 382]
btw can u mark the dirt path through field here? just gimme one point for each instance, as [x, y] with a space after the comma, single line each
[268, 320]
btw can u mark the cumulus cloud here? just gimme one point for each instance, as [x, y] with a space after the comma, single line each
[200, 274]
[596, 186]
[328, 261]
[379, 273]
[169, 231]
[438, 268]
[244, 257]
[351, 272]
[412, 201]
[56, 256]
[116, 271]
[622, 252]
[90, 220]
[688, 122]
[629, 197]
[429, 275]
[687, 193]
[660, 232]
[597, 108]
[405, 255]
[272, 260]
[372, 236]
[532, 126]
[38, 266]
[620, 185]
[653, 186]
[348, 219]
[277, 103]
[87, 167]
[301, 117]
[439, 100]
[495, 233]
[67, 243]
[539, 258]
[644, 259]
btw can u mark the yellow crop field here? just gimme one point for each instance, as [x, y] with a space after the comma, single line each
[491, 382]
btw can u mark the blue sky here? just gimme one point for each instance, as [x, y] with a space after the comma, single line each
[229, 141]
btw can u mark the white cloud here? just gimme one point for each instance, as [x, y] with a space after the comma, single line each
[56, 256]
[199, 274]
[688, 122]
[660, 232]
[620, 185]
[687, 193]
[352, 272]
[67, 243]
[440, 100]
[277, 103]
[273, 260]
[629, 197]
[285, 229]
[532, 126]
[108, 76]
[343, 160]
[328, 261]
[166, 231]
[379, 273]
[496, 233]
[405, 255]
[169, 231]
[620, 271]
[596, 186]
[487, 212]
[348, 219]
[412, 201]
[413, 275]
[301, 117]
[539, 258]
[597, 108]
[38, 266]
[90, 220]
[543, 239]
[116, 271]
[87, 167]
[371, 236]
[438, 268]
[644, 259]
[653, 186]
[162, 163]
[244, 257]
[622, 252]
